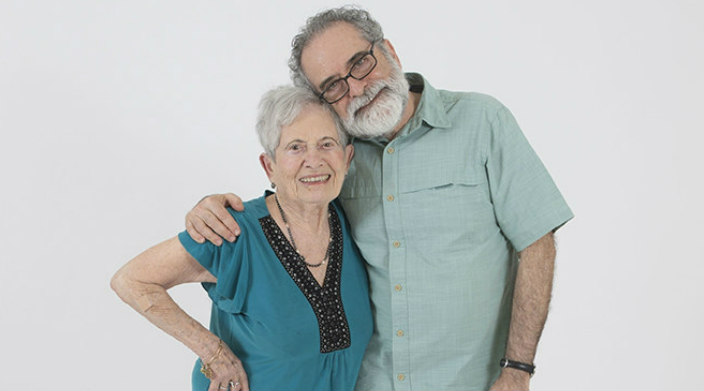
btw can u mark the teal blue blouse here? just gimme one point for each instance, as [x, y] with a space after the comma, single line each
[289, 332]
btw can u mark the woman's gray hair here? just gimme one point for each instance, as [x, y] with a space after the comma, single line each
[281, 106]
[359, 18]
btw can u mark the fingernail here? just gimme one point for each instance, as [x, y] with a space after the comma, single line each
[231, 238]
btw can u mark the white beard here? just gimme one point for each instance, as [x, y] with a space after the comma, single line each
[382, 116]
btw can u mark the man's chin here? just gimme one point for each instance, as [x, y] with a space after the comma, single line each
[368, 131]
[373, 125]
[368, 135]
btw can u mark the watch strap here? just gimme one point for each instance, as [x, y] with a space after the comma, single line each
[521, 366]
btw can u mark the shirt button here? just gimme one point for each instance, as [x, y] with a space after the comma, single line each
[400, 377]
[399, 333]
[397, 244]
[390, 197]
[390, 150]
[398, 288]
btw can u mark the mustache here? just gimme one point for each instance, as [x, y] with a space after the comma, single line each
[369, 94]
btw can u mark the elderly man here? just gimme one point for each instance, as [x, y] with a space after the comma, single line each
[449, 205]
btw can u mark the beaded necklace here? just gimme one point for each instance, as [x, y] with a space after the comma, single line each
[293, 242]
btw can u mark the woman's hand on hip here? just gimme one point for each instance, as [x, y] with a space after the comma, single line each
[227, 372]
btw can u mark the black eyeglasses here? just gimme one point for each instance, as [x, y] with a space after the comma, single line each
[360, 69]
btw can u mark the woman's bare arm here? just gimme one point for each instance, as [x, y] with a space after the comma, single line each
[143, 283]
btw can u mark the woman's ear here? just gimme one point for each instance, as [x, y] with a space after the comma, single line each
[349, 154]
[268, 165]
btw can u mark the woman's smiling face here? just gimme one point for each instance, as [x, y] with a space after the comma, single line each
[310, 164]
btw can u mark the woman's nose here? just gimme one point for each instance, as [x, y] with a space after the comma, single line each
[313, 157]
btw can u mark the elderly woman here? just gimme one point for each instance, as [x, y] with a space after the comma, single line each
[290, 303]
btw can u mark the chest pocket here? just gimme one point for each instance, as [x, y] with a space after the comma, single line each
[445, 176]
[453, 201]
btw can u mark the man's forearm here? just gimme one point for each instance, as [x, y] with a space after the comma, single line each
[531, 299]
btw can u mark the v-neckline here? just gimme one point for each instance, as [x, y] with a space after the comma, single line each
[325, 299]
[289, 246]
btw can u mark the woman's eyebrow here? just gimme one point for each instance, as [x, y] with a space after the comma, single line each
[329, 138]
[295, 141]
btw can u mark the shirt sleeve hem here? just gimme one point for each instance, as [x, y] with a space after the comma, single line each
[541, 229]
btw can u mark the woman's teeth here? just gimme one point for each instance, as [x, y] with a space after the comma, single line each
[319, 178]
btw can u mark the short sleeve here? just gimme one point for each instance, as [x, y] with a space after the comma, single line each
[527, 203]
[229, 263]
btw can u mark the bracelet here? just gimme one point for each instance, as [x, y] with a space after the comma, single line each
[521, 366]
[205, 368]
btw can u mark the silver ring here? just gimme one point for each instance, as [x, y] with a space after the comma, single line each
[234, 384]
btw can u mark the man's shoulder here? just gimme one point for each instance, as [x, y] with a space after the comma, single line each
[451, 101]
[471, 99]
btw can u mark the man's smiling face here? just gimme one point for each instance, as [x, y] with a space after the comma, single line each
[374, 105]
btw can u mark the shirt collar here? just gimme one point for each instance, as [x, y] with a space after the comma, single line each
[431, 108]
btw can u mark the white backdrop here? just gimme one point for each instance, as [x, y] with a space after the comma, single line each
[117, 116]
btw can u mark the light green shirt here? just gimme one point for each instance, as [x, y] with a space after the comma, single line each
[439, 214]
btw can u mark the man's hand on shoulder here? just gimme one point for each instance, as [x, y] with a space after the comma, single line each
[210, 220]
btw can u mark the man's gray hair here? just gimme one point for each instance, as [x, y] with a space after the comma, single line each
[357, 17]
[280, 107]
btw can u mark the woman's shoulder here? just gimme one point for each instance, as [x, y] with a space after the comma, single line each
[254, 210]
[338, 208]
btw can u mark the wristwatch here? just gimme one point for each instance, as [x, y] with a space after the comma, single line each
[521, 366]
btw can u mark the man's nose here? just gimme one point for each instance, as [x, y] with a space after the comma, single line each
[356, 87]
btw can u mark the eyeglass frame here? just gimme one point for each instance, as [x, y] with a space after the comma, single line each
[349, 74]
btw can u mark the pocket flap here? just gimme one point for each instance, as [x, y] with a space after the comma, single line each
[457, 174]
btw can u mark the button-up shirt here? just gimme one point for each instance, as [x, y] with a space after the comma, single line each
[439, 213]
